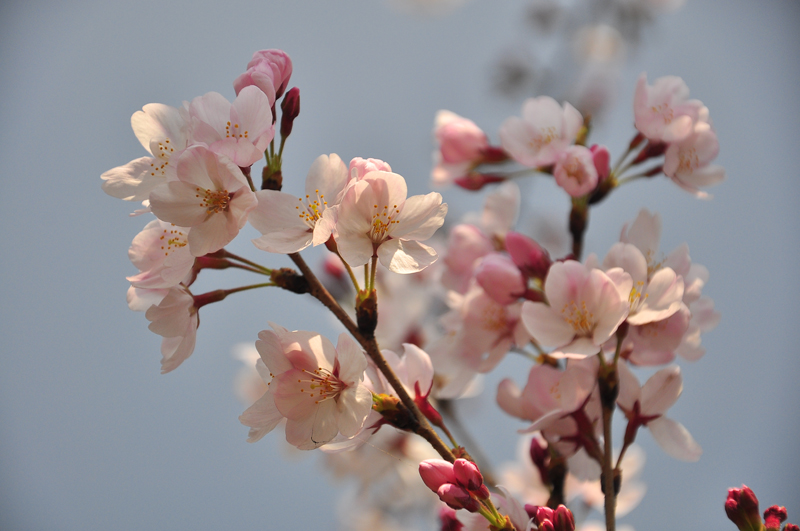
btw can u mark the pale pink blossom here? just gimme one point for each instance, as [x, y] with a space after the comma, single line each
[545, 130]
[175, 319]
[359, 167]
[376, 218]
[269, 70]
[211, 197]
[316, 387]
[163, 132]
[461, 147]
[161, 254]
[140, 299]
[647, 405]
[241, 130]
[466, 244]
[500, 278]
[663, 112]
[585, 308]
[688, 161]
[575, 171]
[289, 224]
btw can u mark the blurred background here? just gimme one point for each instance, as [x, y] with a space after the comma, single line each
[94, 438]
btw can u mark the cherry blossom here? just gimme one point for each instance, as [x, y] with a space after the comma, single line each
[585, 308]
[461, 147]
[688, 161]
[269, 70]
[163, 131]
[663, 112]
[290, 224]
[545, 130]
[575, 171]
[376, 219]
[175, 319]
[359, 167]
[241, 130]
[161, 253]
[316, 387]
[211, 197]
[646, 406]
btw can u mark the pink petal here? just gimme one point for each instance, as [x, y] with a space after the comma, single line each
[674, 439]
[661, 391]
[261, 417]
[406, 257]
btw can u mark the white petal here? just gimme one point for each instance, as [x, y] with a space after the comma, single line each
[674, 439]
[406, 257]
[261, 417]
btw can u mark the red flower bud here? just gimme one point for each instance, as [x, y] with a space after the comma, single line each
[290, 109]
[774, 517]
[741, 506]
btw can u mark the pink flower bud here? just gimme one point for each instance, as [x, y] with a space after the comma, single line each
[449, 521]
[774, 517]
[741, 506]
[563, 519]
[360, 167]
[543, 514]
[602, 161]
[457, 497]
[290, 109]
[467, 474]
[500, 278]
[269, 70]
[528, 255]
[436, 472]
[460, 140]
[541, 459]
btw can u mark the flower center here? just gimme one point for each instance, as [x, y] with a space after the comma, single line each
[234, 131]
[581, 319]
[688, 161]
[664, 111]
[214, 201]
[172, 239]
[494, 318]
[382, 221]
[322, 385]
[545, 136]
[313, 208]
[635, 297]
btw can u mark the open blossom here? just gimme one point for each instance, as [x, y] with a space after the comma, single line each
[585, 308]
[545, 130]
[688, 161]
[290, 224]
[175, 319]
[269, 70]
[161, 254]
[663, 112]
[163, 131]
[646, 406]
[376, 219]
[316, 387]
[241, 130]
[575, 171]
[211, 197]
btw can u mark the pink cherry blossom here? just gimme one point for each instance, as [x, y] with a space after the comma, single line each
[663, 112]
[575, 171]
[316, 387]
[646, 406]
[241, 130]
[161, 254]
[466, 244]
[163, 131]
[585, 308]
[376, 219]
[290, 224]
[175, 319]
[545, 130]
[269, 70]
[211, 197]
[688, 161]
[461, 146]
[359, 167]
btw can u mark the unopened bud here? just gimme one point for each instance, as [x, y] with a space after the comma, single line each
[530, 257]
[290, 109]
[457, 497]
[602, 161]
[773, 517]
[563, 519]
[791, 527]
[741, 506]
[467, 474]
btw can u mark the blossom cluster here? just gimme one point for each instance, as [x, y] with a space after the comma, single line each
[419, 341]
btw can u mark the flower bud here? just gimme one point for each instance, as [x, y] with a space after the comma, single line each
[791, 527]
[575, 171]
[460, 140]
[602, 161]
[359, 167]
[436, 472]
[774, 517]
[528, 255]
[448, 519]
[741, 506]
[290, 109]
[268, 70]
[467, 474]
[457, 497]
[563, 519]
[500, 279]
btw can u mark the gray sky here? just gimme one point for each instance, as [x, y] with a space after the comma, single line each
[94, 438]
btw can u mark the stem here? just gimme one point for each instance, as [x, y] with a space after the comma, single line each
[252, 269]
[228, 254]
[251, 286]
[578, 220]
[608, 472]
[318, 291]
[349, 272]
